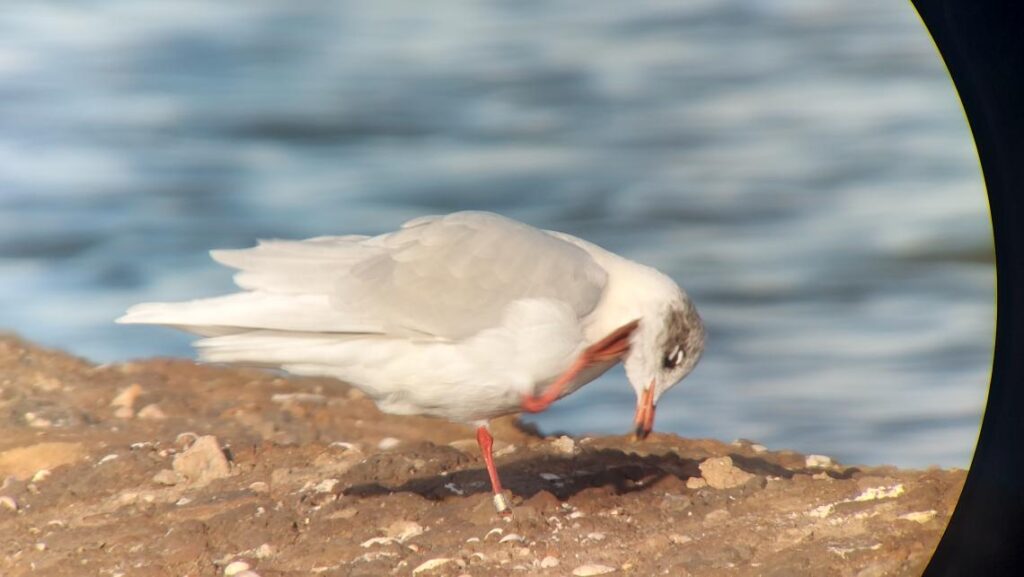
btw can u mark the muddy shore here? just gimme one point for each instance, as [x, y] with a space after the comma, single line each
[168, 468]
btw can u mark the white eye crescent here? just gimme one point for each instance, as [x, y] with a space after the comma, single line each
[674, 358]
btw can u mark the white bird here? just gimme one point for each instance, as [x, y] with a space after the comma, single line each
[467, 317]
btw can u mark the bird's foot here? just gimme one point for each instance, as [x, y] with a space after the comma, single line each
[532, 404]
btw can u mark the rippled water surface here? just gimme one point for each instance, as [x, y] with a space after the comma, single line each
[802, 168]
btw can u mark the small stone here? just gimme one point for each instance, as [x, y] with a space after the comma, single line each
[717, 516]
[696, 483]
[592, 569]
[151, 412]
[259, 487]
[818, 461]
[564, 445]
[678, 539]
[595, 536]
[326, 486]
[431, 564]
[920, 516]
[376, 541]
[203, 462]
[549, 562]
[758, 448]
[388, 443]
[126, 398]
[512, 537]
[402, 531]
[40, 475]
[297, 398]
[501, 449]
[720, 473]
[264, 551]
[7, 502]
[185, 440]
[166, 477]
[124, 413]
[873, 493]
[235, 567]
[40, 546]
[35, 421]
[107, 459]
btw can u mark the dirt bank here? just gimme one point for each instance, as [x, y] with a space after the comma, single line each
[164, 467]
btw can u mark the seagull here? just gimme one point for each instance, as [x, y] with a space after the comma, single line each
[466, 316]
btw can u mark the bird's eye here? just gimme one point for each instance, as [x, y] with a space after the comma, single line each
[673, 359]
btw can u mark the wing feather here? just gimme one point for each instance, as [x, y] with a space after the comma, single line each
[442, 277]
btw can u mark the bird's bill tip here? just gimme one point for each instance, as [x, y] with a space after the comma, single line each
[643, 422]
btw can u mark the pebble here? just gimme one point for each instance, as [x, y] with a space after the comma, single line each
[35, 421]
[326, 486]
[550, 477]
[107, 459]
[235, 567]
[818, 461]
[40, 475]
[431, 564]
[592, 569]
[309, 398]
[124, 412]
[166, 477]
[259, 487]
[564, 445]
[874, 493]
[717, 515]
[696, 483]
[920, 516]
[512, 537]
[720, 473]
[40, 546]
[8, 503]
[185, 440]
[264, 551]
[388, 443]
[126, 398]
[151, 412]
[678, 539]
[203, 462]
[758, 448]
[376, 541]
[549, 562]
[595, 536]
[404, 530]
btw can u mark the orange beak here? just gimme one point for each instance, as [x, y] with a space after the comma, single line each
[644, 419]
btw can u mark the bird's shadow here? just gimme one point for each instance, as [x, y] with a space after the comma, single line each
[611, 470]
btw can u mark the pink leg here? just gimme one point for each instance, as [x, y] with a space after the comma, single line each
[486, 442]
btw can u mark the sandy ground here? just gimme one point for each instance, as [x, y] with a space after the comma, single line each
[165, 467]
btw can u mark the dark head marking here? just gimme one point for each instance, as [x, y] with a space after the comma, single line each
[684, 336]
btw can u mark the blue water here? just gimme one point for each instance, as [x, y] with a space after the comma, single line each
[802, 168]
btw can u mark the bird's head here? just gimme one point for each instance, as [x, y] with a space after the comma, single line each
[663, 349]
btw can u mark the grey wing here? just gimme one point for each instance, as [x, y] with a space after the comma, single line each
[453, 275]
